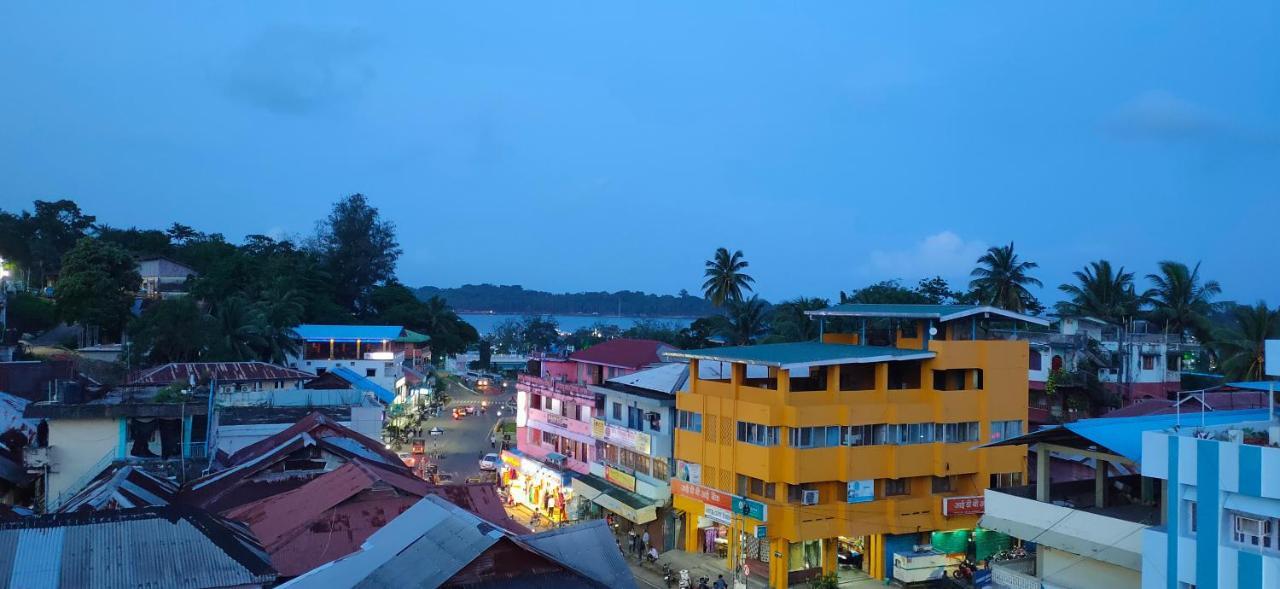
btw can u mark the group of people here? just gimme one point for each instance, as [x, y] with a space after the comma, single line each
[639, 545]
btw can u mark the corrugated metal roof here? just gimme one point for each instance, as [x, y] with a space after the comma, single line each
[347, 333]
[222, 371]
[667, 378]
[799, 354]
[623, 353]
[939, 312]
[604, 564]
[119, 487]
[153, 547]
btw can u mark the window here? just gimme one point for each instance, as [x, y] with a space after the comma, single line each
[371, 372]
[953, 433]
[857, 377]
[1252, 530]
[535, 401]
[617, 411]
[655, 421]
[904, 434]
[1000, 480]
[814, 437]
[896, 487]
[863, 435]
[759, 435]
[941, 485]
[1035, 360]
[689, 421]
[660, 471]
[635, 418]
[1003, 430]
[1191, 517]
[795, 493]
[904, 375]
[1148, 362]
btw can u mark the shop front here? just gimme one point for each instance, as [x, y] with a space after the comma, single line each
[544, 489]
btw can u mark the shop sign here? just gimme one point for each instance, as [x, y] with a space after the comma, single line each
[688, 471]
[762, 531]
[975, 505]
[860, 491]
[510, 459]
[618, 477]
[718, 514]
[711, 497]
[621, 436]
[750, 508]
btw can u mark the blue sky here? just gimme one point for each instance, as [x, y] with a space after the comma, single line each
[573, 146]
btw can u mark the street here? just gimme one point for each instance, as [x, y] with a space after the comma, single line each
[466, 440]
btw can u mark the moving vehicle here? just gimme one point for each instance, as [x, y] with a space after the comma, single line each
[489, 462]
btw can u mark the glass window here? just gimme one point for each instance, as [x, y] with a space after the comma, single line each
[1003, 430]
[760, 435]
[617, 411]
[896, 487]
[941, 485]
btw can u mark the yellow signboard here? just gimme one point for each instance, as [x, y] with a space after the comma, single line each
[620, 478]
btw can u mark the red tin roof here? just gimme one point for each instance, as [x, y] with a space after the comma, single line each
[224, 371]
[633, 354]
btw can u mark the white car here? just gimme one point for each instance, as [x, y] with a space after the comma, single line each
[489, 462]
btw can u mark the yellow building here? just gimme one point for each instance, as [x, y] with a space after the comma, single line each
[834, 441]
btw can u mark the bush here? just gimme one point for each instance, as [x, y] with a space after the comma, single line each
[31, 314]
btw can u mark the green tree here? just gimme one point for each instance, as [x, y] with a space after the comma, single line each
[237, 331]
[1001, 280]
[97, 285]
[1240, 347]
[744, 321]
[1101, 292]
[725, 277]
[276, 315]
[359, 248]
[540, 332]
[31, 314]
[1180, 299]
[885, 292]
[790, 323]
[174, 330]
[53, 231]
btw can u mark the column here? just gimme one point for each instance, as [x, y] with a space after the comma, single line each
[1100, 483]
[1042, 473]
[829, 558]
[778, 558]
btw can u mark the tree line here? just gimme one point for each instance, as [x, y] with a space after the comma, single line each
[244, 299]
[516, 300]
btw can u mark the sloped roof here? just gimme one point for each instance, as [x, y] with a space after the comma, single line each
[802, 354]
[171, 546]
[223, 371]
[122, 487]
[664, 378]
[435, 542]
[626, 353]
[348, 333]
[940, 312]
[566, 545]
[362, 383]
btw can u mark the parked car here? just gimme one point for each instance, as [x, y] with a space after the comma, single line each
[489, 462]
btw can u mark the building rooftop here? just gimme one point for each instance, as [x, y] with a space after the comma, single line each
[664, 379]
[121, 487]
[941, 313]
[626, 353]
[228, 372]
[171, 546]
[802, 354]
[362, 383]
[348, 333]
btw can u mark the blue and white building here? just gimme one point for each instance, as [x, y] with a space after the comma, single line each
[1221, 483]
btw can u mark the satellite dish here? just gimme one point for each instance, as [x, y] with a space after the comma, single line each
[933, 330]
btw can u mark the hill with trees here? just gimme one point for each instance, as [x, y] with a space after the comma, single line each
[515, 299]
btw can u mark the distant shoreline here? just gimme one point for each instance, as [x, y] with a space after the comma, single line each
[564, 314]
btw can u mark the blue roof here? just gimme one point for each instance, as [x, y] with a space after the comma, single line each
[791, 355]
[347, 333]
[1256, 385]
[364, 384]
[1123, 435]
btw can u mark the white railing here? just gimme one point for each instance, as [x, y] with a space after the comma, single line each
[81, 482]
[1006, 575]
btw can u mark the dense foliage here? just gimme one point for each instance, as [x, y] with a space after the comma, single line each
[517, 300]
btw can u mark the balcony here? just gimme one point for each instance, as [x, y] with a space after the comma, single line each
[564, 391]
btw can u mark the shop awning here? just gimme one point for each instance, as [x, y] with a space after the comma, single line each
[635, 508]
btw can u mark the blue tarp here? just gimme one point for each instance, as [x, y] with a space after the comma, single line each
[364, 384]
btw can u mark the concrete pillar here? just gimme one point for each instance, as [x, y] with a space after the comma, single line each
[1042, 473]
[780, 549]
[1100, 483]
[829, 557]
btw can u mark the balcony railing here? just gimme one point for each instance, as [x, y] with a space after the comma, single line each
[1015, 574]
[562, 390]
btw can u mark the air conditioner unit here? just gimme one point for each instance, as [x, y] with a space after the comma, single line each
[809, 497]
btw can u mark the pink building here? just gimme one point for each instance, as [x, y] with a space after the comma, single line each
[605, 360]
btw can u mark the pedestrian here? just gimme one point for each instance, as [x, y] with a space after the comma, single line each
[493, 441]
[631, 543]
[645, 540]
[719, 584]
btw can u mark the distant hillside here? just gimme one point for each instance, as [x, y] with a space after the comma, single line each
[515, 299]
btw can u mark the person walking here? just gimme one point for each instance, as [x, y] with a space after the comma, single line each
[631, 542]
[645, 540]
[493, 441]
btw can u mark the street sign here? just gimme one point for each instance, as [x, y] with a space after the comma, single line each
[761, 531]
[750, 508]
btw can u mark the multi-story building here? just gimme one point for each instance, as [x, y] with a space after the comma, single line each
[864, 439]
[603, 361]
[630, 476]
[374, 352]
[553, 444]
[1221, 502]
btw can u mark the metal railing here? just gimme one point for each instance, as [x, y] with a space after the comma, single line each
[1015, 574]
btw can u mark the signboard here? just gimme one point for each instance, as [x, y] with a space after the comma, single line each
[621, 436]
[750, 508]
[860, 491]
[703, 494]
[718, 514]
[688, 471]
[1271, 361]
[762, 531]
[619, 477]
[952, 506]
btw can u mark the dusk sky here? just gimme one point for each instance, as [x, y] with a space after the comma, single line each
[605, 146]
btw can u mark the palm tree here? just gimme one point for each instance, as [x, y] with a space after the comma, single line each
[1240, 348]
[791, 324]
[1179, 299]
[276, 318]
[725, 277]
[1101, 292]
[1001, 279]
[745, 321]
[237, 333]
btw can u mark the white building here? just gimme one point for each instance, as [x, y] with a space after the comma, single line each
[373, 352]
[164, 278]
[1221, 504]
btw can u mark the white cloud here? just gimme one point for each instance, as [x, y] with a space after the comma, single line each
[941, 254]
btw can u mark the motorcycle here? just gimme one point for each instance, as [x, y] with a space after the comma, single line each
[702, 583]
[668, 576]
[965, 570]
